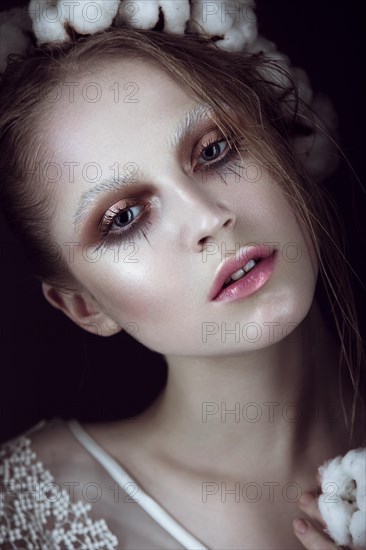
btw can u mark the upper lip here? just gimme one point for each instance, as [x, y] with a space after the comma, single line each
[242, 257]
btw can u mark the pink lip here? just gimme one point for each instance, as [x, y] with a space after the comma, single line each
[249, 284]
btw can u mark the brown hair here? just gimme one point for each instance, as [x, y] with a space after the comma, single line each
[247, 104]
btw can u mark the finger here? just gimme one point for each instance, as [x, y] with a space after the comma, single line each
[311, 538]
[309, 504]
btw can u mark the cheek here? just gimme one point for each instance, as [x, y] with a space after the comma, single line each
[134, 293]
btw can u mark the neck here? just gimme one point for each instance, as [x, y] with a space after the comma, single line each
[276, 402]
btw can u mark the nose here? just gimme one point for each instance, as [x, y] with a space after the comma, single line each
[200, 215]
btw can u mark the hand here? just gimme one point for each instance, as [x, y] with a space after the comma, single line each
[311, 533]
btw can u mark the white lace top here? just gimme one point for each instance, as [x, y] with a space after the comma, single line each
[60, 490]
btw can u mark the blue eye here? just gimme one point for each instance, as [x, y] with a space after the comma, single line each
[126, 216]
[122, 219]
[212, 151]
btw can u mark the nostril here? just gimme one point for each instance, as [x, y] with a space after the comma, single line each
[229, 222]
[203, 241]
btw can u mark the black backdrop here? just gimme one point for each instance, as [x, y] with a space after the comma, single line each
[50, 367]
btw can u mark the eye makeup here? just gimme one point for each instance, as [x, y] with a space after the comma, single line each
[121, 216]
[131, 217]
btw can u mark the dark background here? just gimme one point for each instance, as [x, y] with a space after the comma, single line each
[49, 367]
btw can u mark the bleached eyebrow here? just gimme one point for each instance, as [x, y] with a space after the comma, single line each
[89, 197]
[185, 126]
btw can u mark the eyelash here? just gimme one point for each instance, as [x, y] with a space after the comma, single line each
[110, 217]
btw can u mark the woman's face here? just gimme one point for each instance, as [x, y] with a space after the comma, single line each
[145, 172]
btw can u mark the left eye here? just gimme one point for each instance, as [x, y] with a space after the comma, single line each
[126, 216]
[212, 151]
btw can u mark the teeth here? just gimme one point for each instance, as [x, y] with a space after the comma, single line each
[241, 272]
[237, 275]
[249, 266]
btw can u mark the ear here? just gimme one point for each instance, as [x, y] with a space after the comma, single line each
[81, 308]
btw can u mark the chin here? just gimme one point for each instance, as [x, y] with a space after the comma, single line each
[273, 318]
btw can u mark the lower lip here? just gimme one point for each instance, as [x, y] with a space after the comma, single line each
[253, 281]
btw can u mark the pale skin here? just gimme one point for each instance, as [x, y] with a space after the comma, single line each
[165, 294]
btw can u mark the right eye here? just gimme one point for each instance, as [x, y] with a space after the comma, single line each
[122, 218]
[212, 151]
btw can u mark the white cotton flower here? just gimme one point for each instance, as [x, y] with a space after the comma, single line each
[140, 14]
[176, 15]
[318, 151]
[342, 503]
[144, 14]
[232, 24]
[50, 18]
[48, 21]
[235, 39]
[303, 85]
[233, 21]
[280, 70]
[87, 17]
[212, 17]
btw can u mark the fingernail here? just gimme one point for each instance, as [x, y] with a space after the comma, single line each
[300, 526]
[306, 499]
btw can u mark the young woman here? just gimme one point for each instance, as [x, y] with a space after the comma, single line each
[152, 198]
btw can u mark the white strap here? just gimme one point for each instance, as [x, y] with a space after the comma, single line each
[145, 501]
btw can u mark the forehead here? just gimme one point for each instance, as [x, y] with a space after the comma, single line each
[114, 102]
[128, 113]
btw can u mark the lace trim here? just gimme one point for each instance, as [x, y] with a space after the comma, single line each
[36, 513]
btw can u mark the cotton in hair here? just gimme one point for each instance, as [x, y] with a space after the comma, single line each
[231, 25]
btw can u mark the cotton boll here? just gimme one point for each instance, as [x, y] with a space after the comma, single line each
[349, 476]
[234, 21]
[334, 478]
[357, 528]
[282, 58]
[277, 72]
[304, 87]
[243, 34]
[48, 21]
[261, 44]
[250, 32]
[176, 15]
[316, 154]
[337, 515]
[89, 17]
[237, 39]
[140, 14]
[354, 463]
[210, 17]
[361, 496]
[234, 40]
